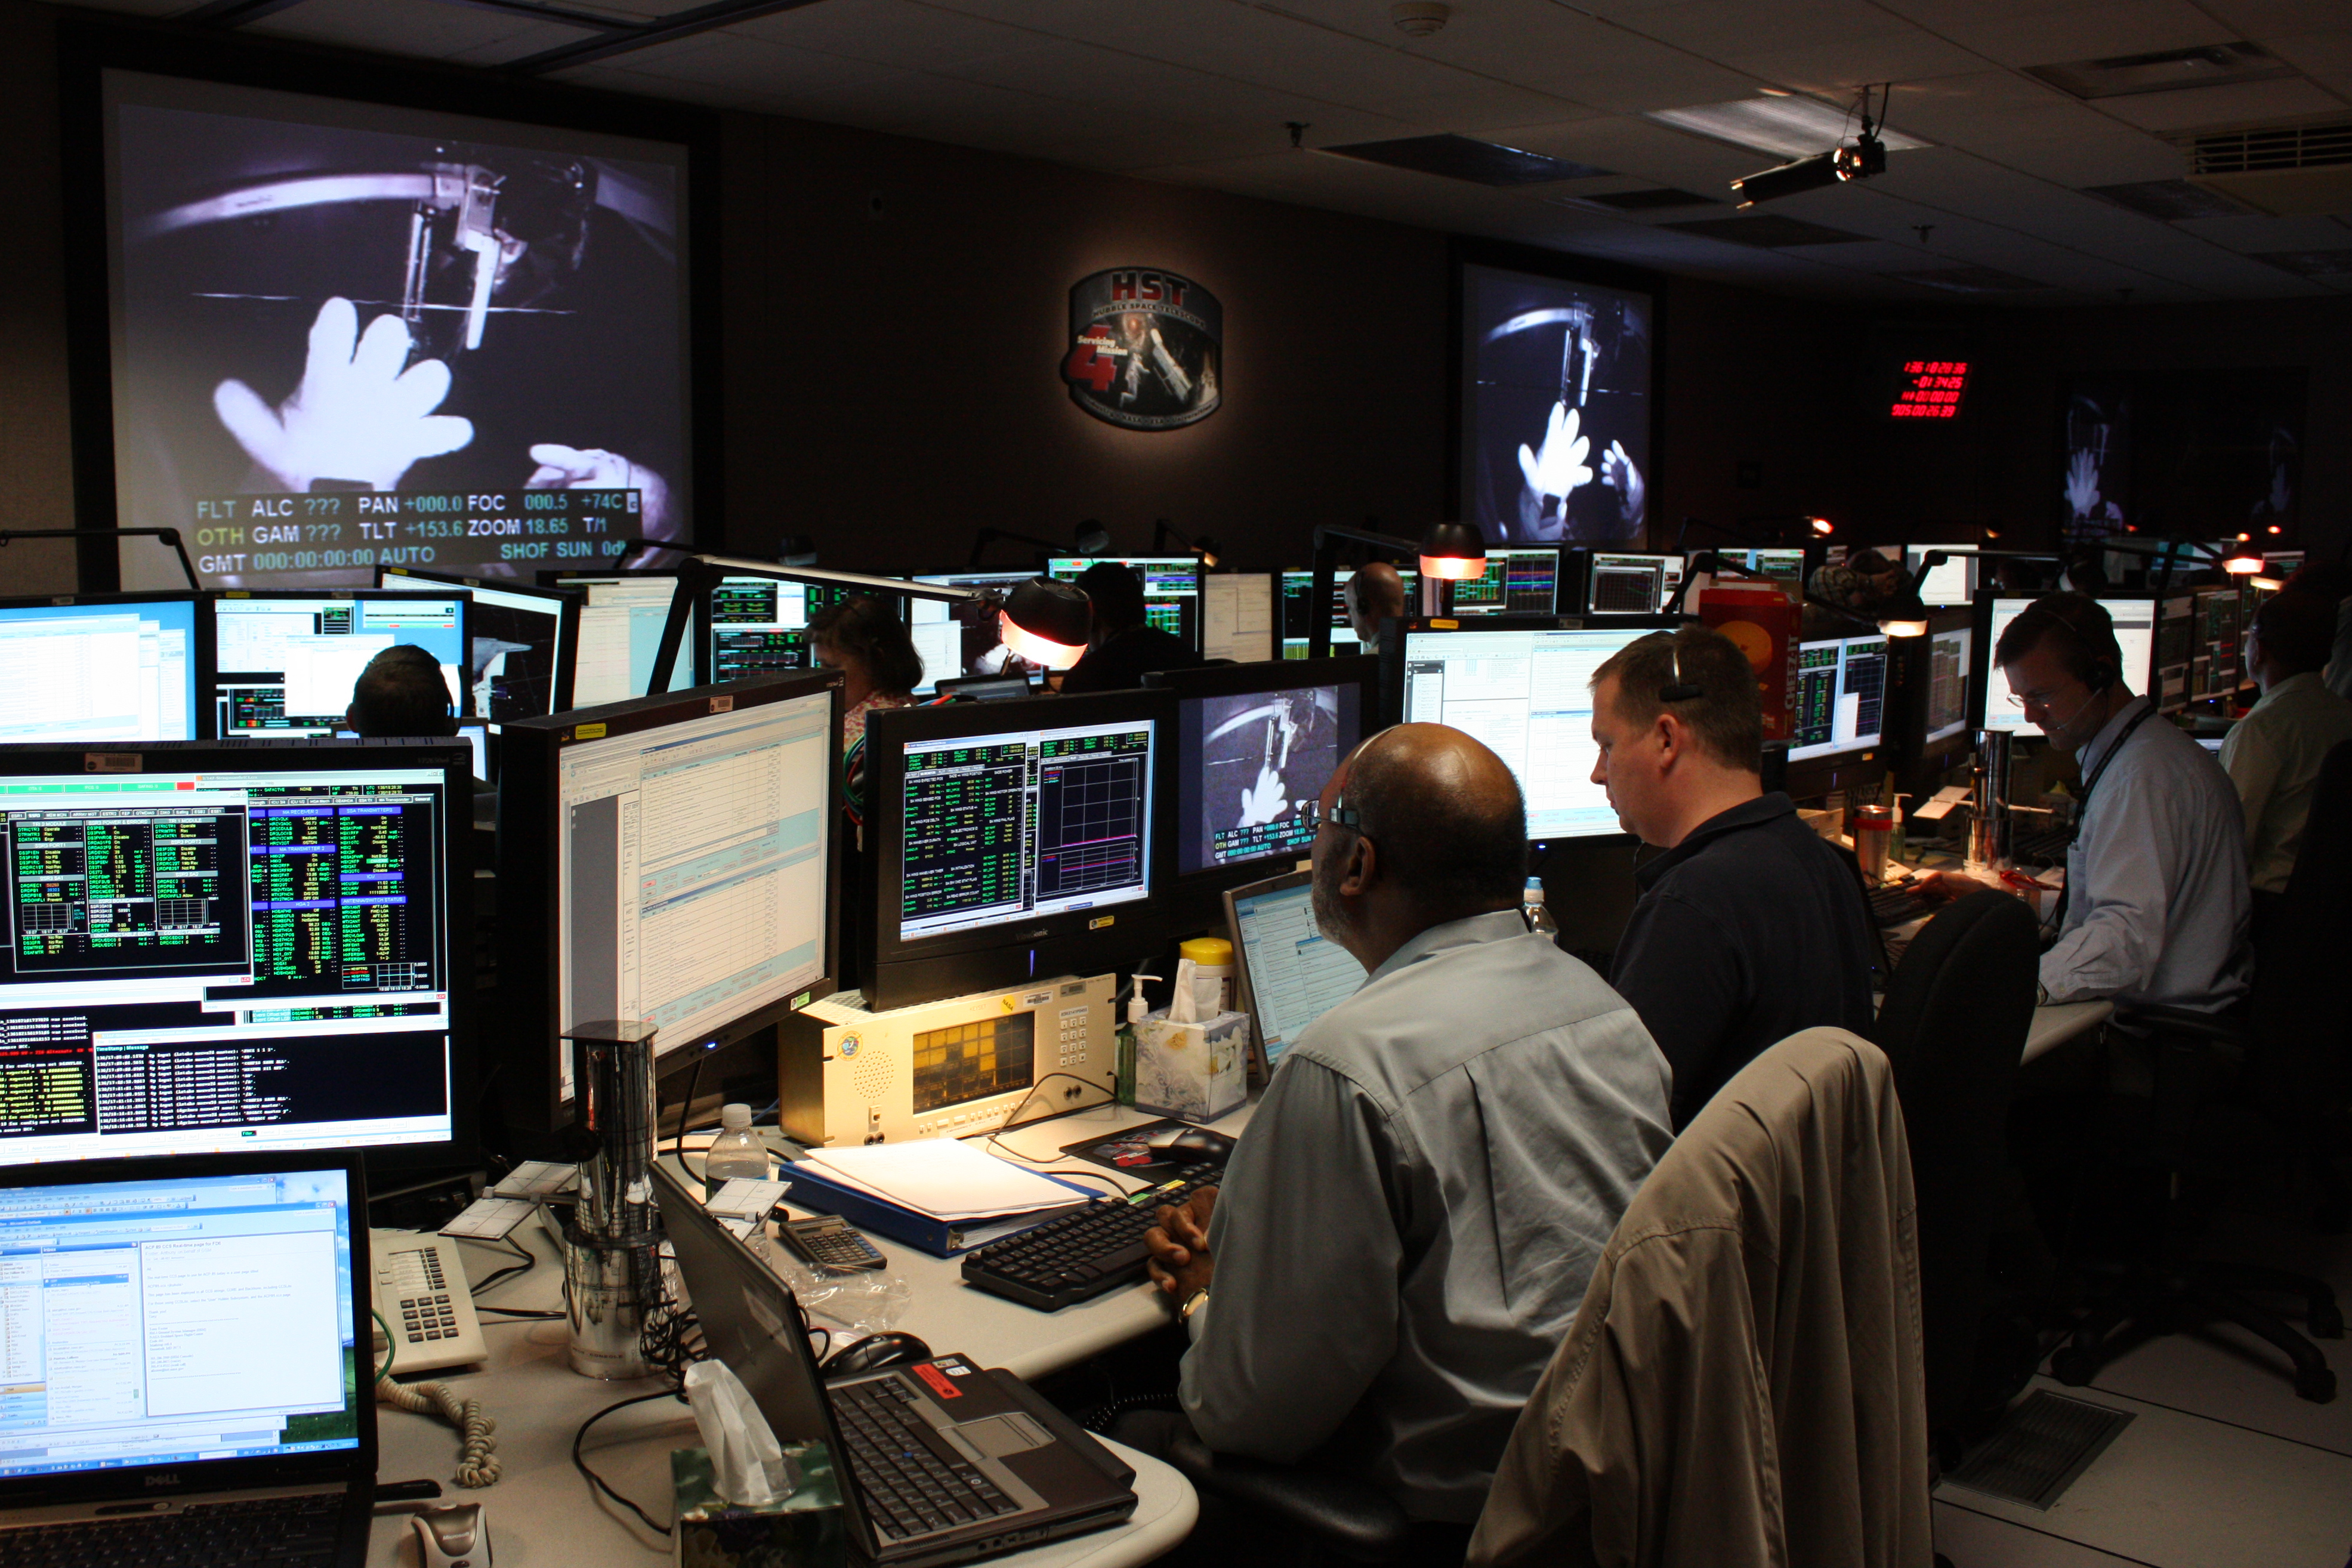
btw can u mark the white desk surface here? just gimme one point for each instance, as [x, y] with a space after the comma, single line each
[543, 1514]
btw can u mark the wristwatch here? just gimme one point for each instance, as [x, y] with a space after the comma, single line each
[1193, 1303]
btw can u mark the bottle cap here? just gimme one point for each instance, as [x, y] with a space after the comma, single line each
[1206, 951]
[735, 1117]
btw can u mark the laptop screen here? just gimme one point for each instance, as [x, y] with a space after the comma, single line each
[176, 1320]
[1296, 973]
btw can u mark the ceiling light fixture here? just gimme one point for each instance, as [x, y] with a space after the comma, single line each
[1790, 127]
[1866, 157]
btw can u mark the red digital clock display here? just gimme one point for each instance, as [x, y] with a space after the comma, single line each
[1929, 389]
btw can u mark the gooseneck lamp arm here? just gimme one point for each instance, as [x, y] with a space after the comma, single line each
[170, 536]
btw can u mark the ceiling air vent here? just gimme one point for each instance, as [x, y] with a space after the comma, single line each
[2167, 70]
[1653, 200]
[1463, 157]
[2319, 266]
[2289, 171]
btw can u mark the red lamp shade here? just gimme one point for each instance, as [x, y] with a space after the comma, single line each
[1456, 550]
[1044, 621]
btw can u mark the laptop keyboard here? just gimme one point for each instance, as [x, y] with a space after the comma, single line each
[272, 1532]
[908, 1489]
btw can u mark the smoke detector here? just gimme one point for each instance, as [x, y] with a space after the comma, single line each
[1419, 19]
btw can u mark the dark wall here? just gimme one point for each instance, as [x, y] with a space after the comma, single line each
[898, 312]
[35, 469]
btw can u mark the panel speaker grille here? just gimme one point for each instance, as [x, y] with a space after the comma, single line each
[2039, 1449]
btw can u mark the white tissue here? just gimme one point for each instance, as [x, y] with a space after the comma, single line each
[746, 1461]
[1183, 1008]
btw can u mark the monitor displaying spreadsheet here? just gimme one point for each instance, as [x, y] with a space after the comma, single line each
[1291, 972]
[1528, 696]
[1172, 588]
[1841, 697]
[284, 664]
[99, 670]
[1948, 684]
[1516, 583]
[620, 635]
[1954, 579]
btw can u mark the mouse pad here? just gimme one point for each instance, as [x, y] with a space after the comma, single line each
[1130, 1152]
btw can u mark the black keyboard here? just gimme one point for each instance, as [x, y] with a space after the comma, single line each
[1892, 906]
[1083, 1254]
[2047, 848]
[909, 1489]
[281, 1533]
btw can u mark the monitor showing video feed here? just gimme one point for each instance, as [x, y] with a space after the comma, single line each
[621, 633]
[1255, 743]
[961, 640]
[348, 334]
[1621, 585]
[1954, 579]
[1298, 625]
[1841, 697]
[1528, 694]
[117, 667]
[1172, 588]
[284, 663]
[1515, 583]
[759, 626]
[1554, 422]
[522, 645]
[235, 947]
[2135, 625]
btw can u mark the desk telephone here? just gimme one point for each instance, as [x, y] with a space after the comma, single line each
[421, 1291]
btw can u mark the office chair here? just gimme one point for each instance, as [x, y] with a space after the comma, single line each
[2286, 1058]
[1953, 1026]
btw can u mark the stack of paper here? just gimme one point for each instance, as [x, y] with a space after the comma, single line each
[941, 1177]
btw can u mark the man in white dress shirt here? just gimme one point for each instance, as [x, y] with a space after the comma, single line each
[2157, 899]
[2274, 753]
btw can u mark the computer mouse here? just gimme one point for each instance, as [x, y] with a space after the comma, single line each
[874, 1353]
[453, 1535]
[1197, 1146]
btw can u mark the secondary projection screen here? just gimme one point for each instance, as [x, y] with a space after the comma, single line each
[347, 334]
[1555, 414]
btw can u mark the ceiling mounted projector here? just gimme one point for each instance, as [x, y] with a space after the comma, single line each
[1866, 157]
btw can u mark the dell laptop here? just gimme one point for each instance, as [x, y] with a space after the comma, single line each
[188, 1376]
[945, 1461]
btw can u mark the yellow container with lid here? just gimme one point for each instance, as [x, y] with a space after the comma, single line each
[1213, 974]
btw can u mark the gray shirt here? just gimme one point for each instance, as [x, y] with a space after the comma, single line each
[1406, 1230]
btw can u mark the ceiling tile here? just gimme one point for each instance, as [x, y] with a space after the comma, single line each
[762, 70]
[2256, 102]
[2254, 235]
[893, 32]
[414, 27]
[2024, 32]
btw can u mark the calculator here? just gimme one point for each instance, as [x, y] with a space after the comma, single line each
[828, 1242]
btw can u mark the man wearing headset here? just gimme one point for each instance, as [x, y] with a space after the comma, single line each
[2157, 899]
[1749, 928]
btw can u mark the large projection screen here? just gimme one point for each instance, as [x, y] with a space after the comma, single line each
[347, 334]
[1555, 412]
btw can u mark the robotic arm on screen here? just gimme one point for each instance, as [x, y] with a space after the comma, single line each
[1269, 799]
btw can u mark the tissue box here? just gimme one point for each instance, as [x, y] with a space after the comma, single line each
[1195, 1072]
[805, 1529]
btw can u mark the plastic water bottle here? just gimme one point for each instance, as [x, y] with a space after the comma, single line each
[1533, 911]
[737, 1150]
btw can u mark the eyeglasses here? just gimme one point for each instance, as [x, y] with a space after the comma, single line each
[1341, 815]
[2029, 699]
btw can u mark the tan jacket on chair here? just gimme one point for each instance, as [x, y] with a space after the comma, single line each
[1742, 1387]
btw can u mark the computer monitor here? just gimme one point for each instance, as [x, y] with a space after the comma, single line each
[1622, 584]
[522, 643]
[1253, 743]
[1841, 696]
[244, 946]
[1172, 588]
[1954, 580]
[962, 639]
[1525, 690]
[474, 732]
[1785, 566]
[2135, 621]
[102, 667]
[621, 633]
[1290, 973]
[759, 626]
[1298, 625]
[1520, 581]
[1014, 840]
[1944, 678]
[670, 858]
[284, 663]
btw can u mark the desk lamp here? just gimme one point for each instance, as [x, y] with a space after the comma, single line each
[1448, 552]
[1046, 621]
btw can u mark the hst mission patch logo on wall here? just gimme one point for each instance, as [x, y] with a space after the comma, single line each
[1145, 346]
